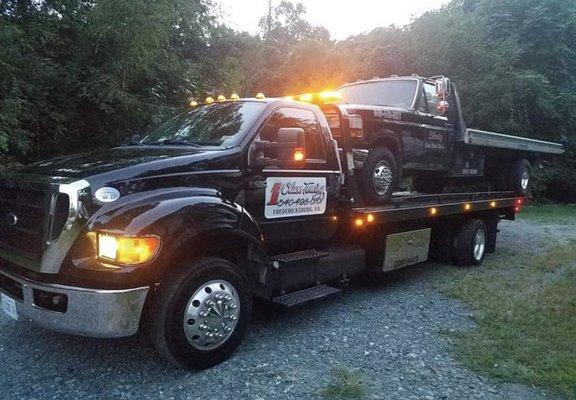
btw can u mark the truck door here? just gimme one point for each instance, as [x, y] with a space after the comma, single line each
[434, 137]
[295, 203]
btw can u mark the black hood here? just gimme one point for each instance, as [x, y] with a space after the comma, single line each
[133, 161]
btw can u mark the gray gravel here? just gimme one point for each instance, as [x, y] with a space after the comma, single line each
[388, 332]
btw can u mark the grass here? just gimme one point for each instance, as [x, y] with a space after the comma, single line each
[555, 213]
[344, 385]
[524, 303]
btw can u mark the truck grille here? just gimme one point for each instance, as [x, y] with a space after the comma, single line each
[23, 212]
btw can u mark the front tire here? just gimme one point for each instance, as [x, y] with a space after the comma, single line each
[200, 314]
[379, 176]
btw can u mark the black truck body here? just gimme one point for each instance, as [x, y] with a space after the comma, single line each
[223, 202]
[420, 122]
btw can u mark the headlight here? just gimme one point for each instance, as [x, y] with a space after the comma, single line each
[128, 250]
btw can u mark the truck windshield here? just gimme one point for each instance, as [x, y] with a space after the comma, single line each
[395, 93]
[217, 124]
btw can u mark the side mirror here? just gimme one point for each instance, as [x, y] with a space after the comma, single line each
[442, 107]
[291, 144]
[289, 150]
[443, 88]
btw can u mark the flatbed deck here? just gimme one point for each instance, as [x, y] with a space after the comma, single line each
[405, 207]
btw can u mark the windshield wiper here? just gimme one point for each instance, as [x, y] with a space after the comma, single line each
[178, 142]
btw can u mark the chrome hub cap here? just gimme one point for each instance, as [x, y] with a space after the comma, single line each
[525, 180]
[382, 178]
[479, 244]
[211, 315]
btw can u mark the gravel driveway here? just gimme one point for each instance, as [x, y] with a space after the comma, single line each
[388, 332]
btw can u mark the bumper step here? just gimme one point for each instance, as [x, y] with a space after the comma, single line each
[305, 296]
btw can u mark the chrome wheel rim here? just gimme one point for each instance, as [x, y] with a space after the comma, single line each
[211, 315]
[479, 244]
[525, 180]
[382, 178]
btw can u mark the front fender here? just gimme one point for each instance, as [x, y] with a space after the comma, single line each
[179, 216]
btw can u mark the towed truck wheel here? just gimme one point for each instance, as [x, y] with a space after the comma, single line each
[200, 315]
[379, 176]
[520, 175]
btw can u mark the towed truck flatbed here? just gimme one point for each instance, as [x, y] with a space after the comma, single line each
[478, 137]
[225, 202]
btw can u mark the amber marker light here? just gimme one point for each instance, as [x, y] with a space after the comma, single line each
[334, 218]
[234, 97]
[433, 211]
[330, 95]
[306, 97]
[298, 155]
[370, 218]
[260, 96]
[493, 204]
[221, 98]
[209, 100]
[359, 222]
[193, 103]
[127, 250]
[468, 207]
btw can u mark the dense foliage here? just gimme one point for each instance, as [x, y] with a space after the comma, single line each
[78, 75]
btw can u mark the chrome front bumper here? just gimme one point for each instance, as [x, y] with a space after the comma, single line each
[90, 312]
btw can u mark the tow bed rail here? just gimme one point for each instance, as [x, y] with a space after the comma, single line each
[414, 206]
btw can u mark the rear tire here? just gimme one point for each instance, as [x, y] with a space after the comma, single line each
[181, 336]
[521, 177]
[379, 176]
[471, 243]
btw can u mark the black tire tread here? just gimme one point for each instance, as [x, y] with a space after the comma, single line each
[161, 306]
[463, 241]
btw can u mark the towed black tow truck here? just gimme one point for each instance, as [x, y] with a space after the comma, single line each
[219, 204]
[414, 127]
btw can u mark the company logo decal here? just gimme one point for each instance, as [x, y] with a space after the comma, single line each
[107, 194]
[290, 197]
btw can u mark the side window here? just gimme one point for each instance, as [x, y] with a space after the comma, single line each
[296, 118]
[431, 98]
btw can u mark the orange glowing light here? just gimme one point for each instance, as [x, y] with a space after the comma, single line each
[306, 97]
[359, 222]
[127, 250]
[468, 207]
[334, 218]
[298, 155]
[370, 218]
[193, 103]
[330, 95]
[492, 204]
[433, 211]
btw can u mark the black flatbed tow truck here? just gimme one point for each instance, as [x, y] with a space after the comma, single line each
[222, 203]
